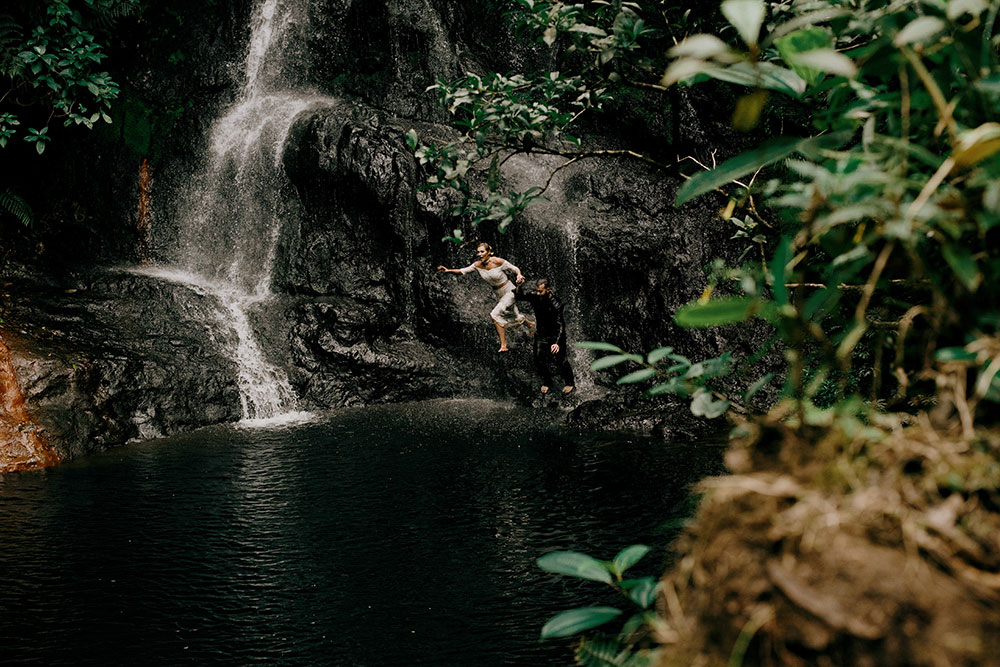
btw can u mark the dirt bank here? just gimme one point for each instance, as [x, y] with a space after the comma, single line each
[855, 544]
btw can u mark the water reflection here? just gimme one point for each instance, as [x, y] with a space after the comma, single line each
[381, 536]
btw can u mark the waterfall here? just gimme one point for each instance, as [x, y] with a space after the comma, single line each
[230, 217]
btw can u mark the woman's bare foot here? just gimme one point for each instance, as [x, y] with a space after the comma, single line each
[568, 388]
[545, 389]
[503, 349]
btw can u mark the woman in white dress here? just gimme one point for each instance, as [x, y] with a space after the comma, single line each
[493, 270]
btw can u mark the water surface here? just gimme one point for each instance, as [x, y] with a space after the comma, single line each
[396, 535]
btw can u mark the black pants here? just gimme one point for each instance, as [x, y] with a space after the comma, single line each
[545, 361]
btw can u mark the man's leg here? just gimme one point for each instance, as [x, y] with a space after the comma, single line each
[541, 363]
[565, 370]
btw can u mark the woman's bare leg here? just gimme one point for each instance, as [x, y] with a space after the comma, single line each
[503, 336]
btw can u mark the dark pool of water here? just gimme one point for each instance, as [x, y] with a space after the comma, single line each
[402, 535]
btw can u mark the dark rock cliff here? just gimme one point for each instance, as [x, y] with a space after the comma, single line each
[359, 315]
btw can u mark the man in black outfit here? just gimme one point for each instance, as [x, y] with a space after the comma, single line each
[550, 337]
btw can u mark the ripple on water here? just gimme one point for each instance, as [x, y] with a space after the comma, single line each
[378, 536]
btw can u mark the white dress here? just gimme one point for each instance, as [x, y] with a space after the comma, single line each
[505, 313]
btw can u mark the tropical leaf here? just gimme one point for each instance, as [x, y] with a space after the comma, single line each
[613, 360]
[637, 376]
[604, 651]
[703, 404]
[746, 16]
[599, 651]
[629, 556]
[919, 30]
[597, 345]
[642, 591]
[727, 310]
[802, 41]
[758, 75]
[751, 161]
[575, 564]
[17, 207]
[574, 621]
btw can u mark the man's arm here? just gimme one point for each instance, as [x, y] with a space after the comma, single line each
[560, 320]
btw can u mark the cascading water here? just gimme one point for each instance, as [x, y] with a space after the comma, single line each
[230, 218]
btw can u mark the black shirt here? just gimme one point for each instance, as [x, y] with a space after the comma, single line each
[548, 313]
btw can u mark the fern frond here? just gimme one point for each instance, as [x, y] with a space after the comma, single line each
[17, 207]
[106, 12]
[11, 37]
[601, 650]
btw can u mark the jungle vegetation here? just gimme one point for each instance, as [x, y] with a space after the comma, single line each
[871, 217]
[52, 71]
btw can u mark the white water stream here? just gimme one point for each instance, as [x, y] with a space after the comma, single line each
[230, 218]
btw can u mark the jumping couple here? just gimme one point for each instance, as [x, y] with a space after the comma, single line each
[550, 326]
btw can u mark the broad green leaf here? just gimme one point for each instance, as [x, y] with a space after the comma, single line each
[758, 75]
[642, 591]
[701, 46]
[958, 7]
[960, 260]
[808, 19]
[779, 271]
[658, 354]
[685, 68]
[571, 622]
[611, 360]
[411, 139]
[574, 564]
[828, 60]
[919, 30]
[632, 625]
[672, 386]
[597, 345]
[954, 354]
[743, 164]
[727, 310]
[695, 370]
[629, 556]
[703, 404]
[637, 376]
[802, 41]
[588, 29]
[747, 16]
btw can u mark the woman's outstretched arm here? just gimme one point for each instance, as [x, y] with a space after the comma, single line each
[507, 266]
[444, 269]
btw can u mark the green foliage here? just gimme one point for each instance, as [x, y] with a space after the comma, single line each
[502, 115]
[574, 621]
[751, 161]
[906, 206]
[16, 206]
[886, 213]
[51, 61]
[601, 649]
[667, 372]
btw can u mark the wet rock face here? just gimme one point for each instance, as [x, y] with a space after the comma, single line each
[115, 358]
[374, 321]
[361, 315]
